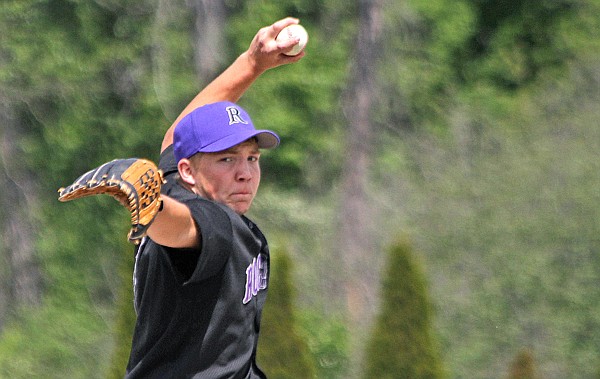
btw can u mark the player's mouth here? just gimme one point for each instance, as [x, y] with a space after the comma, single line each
[242, 196]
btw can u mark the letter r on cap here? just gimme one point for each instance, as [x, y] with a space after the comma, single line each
[234, 116]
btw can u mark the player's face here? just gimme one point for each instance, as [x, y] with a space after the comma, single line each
[230, 177]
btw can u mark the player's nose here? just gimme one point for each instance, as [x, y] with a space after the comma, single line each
[244, 171]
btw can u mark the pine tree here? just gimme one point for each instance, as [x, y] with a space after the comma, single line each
[282, 353]
[402, 344]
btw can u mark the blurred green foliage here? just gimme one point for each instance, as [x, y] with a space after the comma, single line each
[487, 157]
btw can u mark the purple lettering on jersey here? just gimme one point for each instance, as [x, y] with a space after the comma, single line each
[256, 277]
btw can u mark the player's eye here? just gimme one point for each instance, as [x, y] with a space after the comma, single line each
[253, 158]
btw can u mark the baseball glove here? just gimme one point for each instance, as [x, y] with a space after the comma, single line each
[134, 182]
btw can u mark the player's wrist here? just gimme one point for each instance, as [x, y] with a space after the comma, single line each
[250, 66]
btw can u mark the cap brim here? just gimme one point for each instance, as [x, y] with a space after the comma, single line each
[266, 140]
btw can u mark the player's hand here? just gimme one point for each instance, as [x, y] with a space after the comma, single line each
[265, 52]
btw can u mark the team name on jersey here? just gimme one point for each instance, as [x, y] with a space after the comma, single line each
[256, 277]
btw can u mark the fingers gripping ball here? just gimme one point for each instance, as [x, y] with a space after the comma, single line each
[294, 31]
[134, 182]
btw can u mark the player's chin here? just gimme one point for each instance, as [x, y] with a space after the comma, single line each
[240, 207]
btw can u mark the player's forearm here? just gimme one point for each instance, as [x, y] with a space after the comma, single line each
[174, 226]
[229, 86]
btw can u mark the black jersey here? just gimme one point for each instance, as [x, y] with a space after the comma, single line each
[198, 311]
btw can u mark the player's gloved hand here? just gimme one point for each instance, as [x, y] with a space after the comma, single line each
[134, 182]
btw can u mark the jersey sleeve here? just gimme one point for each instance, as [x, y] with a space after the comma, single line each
[216, 238]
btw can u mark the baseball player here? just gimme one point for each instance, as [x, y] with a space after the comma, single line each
[202, 268]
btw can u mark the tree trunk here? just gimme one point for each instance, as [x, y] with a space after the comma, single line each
[209, 37]
[357, 245]
[21, 279]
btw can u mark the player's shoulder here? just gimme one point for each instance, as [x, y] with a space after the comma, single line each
[205, 206]
[167, 162]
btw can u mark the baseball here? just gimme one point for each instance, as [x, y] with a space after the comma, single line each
[294, 31]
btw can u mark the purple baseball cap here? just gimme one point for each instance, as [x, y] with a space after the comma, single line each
[217, 127]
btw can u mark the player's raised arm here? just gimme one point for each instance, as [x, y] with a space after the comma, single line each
[264, 53]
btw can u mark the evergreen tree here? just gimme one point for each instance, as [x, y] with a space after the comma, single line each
[282, 353]
[402, 343]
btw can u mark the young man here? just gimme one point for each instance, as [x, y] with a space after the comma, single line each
[200, 278]
[202, 271]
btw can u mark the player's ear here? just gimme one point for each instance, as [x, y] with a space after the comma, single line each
[184, 166]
